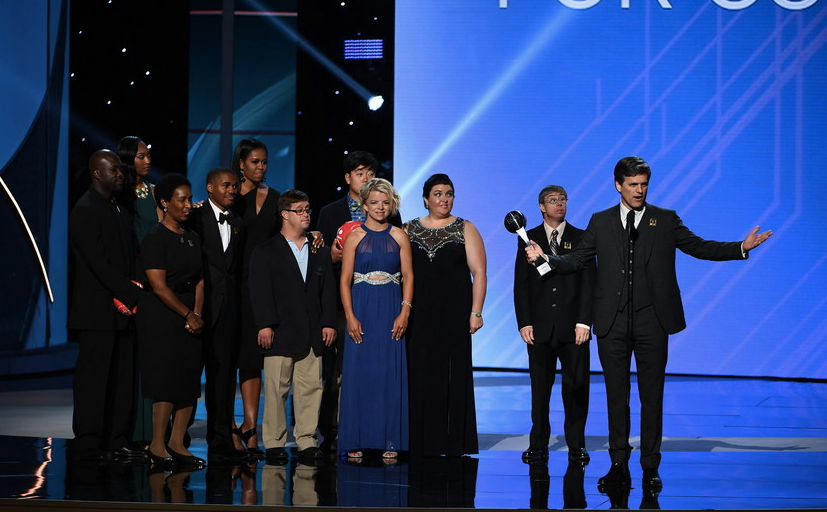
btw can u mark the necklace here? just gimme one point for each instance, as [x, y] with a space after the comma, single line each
[143, 192]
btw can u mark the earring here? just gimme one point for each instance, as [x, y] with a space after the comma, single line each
[165, 209]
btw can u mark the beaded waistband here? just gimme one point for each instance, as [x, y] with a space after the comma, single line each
[368, 277]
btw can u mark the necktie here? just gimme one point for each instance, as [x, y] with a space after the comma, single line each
[630, 225]
[555, 247]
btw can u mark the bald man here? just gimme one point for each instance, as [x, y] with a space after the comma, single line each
[103, 250]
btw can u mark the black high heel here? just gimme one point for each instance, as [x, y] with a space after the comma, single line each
[159, 460]
[245, 436]
[190, 461]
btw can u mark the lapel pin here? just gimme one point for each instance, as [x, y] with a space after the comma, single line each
[653, 222]
[567, 245]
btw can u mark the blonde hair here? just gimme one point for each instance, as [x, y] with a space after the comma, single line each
[383, 186]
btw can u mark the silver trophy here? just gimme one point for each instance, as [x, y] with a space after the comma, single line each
[515, 223]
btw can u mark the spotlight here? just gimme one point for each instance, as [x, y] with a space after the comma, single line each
[375, 102]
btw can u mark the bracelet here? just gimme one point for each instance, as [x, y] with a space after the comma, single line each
[406, 303]
[478, 315]
[188, 314]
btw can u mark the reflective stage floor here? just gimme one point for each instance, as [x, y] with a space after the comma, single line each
[729, 444]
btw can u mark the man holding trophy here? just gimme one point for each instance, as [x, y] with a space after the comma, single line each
[554, 316]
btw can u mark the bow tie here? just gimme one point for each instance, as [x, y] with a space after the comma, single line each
[224, 217]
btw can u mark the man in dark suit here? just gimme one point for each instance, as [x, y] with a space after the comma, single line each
[294, 305]
[638, 305]
[554, 315]
[360, 167]
[103, 249]
[220, 232]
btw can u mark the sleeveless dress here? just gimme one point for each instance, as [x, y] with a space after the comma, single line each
[374, 397]
[442, 411]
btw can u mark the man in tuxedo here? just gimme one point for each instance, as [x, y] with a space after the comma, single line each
[638, 305]
[220, 232]
[294, 305]
[359, 168]
[103, 249]
[554, 315]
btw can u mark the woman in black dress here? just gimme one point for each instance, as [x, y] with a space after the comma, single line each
[169, 322]
[450, 268]
[257, 205]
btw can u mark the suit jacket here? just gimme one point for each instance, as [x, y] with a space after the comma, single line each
[661, 233]
[222, 269]
[104, 251]
[296, 309]
[552, 303]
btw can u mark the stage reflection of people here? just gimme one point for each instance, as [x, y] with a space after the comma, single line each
[443, 482]
[289, 485]
[169, 324]
[554, 315]
[574, 492]
[359, 168]
[638, 305]
[294, 303]
[376, 289]
[104, 253]
[221, 234]
[257, 205]
[450, 269]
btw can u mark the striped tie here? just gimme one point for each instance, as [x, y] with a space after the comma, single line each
[555, 247]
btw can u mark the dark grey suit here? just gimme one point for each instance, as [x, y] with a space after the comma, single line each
[658, 312]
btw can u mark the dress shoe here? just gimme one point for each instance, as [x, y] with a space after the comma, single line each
[311, 453]
[651, 479]
[276, 456]
[618, 476]
[187, 461]
[127, 451]
[579, 455]
[533, 455]
[649, 500]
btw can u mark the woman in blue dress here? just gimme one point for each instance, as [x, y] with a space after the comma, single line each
[377, 290]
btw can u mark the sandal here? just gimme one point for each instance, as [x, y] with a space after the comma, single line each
[245, 437]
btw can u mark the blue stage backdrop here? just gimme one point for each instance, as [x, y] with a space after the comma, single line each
[725, 99]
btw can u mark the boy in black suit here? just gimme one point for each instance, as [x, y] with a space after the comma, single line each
[220, 232]
[294, 304]
[554, 316]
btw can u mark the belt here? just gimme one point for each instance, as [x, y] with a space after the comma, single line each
[367, 277]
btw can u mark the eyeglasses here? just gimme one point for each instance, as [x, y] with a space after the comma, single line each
[300, 212]
[555, 200]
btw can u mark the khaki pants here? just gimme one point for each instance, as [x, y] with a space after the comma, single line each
[305, 373]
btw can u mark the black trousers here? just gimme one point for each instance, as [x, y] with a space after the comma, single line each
[332, 359]
[648, 342]
[103, 390]
[574, 366]
[220, 353]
